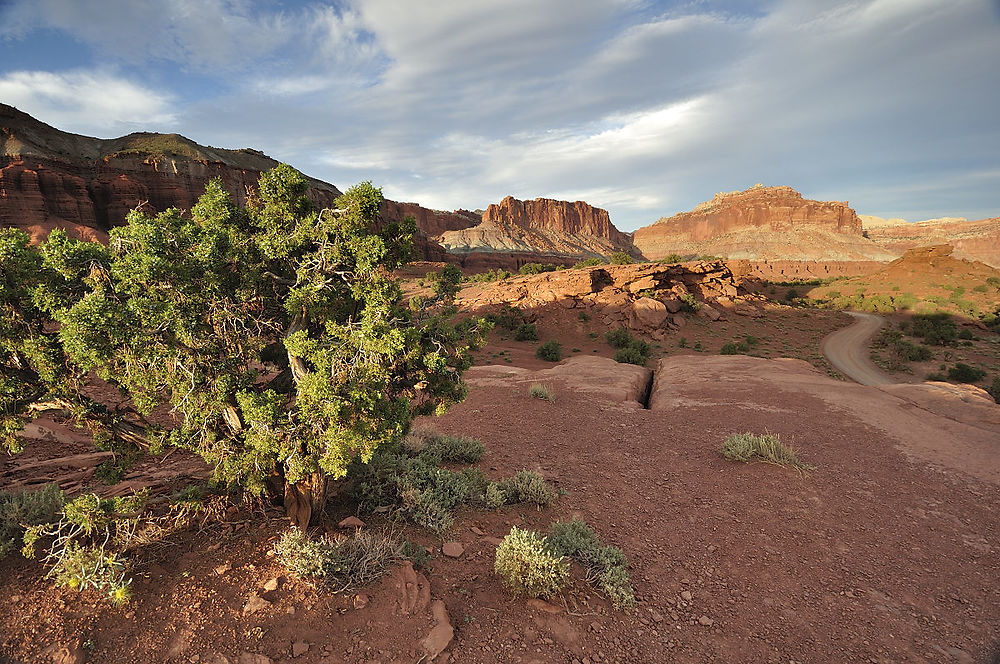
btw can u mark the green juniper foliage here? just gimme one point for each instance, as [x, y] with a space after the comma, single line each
[276, 333]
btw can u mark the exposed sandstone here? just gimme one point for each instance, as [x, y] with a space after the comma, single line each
[762, 223]
[972, 240]
[639, 296]
[540, 227]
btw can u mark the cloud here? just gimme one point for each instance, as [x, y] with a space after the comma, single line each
[87, 102]
[644, 108]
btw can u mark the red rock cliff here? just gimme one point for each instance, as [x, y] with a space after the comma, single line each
[577, 218]
[762, 222]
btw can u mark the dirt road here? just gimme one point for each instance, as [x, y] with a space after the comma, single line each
[847, 350]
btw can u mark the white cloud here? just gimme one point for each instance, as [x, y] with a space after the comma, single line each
[87, 102]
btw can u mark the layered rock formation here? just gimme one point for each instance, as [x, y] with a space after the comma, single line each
[54, 179]
[650, 296]
[972, 240]
[542, 230]
[762, 223]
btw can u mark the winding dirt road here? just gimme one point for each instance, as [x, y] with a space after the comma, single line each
[847, 350]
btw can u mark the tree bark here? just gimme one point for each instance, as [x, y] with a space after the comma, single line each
[305, 498]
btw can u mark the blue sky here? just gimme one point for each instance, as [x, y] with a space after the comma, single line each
[643, 108]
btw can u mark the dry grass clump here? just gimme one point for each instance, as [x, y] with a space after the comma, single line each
[344, 563]
[765, 447]
[606, 566]
[539, 391]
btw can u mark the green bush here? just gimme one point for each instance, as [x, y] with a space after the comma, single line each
[935, 329]
[682, 342]
[936, 376]
[689, 304]
[965, 373]
[527, 564]
[631, 354]
[550, 351]
[606, 566]
[508, 317]
[491, 275]
[791, 294]
[25, 509]
[619, 338]
[729, 349]
[526, 486]
[526, 332]
[537, 268]
[583, 316]
[766, 447]
[620, 258]
[589, 262]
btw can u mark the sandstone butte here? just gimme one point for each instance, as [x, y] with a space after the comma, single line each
[542, 229]
[972, 240]
[762, 223]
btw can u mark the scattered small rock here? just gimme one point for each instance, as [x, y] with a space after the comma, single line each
[351, 522]
[272, 584]
[686, 595]
[254, 604]
[223, 568]
[299, 648]
[706, 621]
[477, 531]
[254, 658]
[360, 601]
[453, 549]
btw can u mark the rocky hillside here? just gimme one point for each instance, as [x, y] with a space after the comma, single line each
[53, 179]
[972, 240]
[762, 223]
[546, 230]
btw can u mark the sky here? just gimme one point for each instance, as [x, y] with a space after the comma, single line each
[643, 108]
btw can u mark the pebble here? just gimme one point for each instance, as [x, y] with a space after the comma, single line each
[453, 549]
[686, 595]
[272, 584]
[706, 621]
[299, 648]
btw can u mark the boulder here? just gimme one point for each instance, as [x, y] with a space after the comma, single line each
[649, 312]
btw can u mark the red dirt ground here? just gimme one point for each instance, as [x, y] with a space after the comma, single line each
[876, 556]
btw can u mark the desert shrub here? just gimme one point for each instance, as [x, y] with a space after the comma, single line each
[620, 258]
[606, 566]
[682, 342]
[965, 373]
[588, 262]
[937, 376]
[688, 303]
[631, 354]
[25, 509]
[538, 391]
[994, 389]
[765, 447]
[751, 340]
[526, 332]
[619, 338]
[508, 317]
[415, 553]
[491, 275]
[301, 555]
[697, 346]
[409, 479]
[447, 282]
[527, 564]
[537, 268]
[981, 288]
[455, 449]
[526, 486]
[729, 348]
[344, 563]
[993, 281]
[583, 316]
[550, 351]
[791, 294]
[84, 549]
[935, 329]
[966, 333]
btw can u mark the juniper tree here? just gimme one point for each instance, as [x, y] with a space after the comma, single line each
[274, 333]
